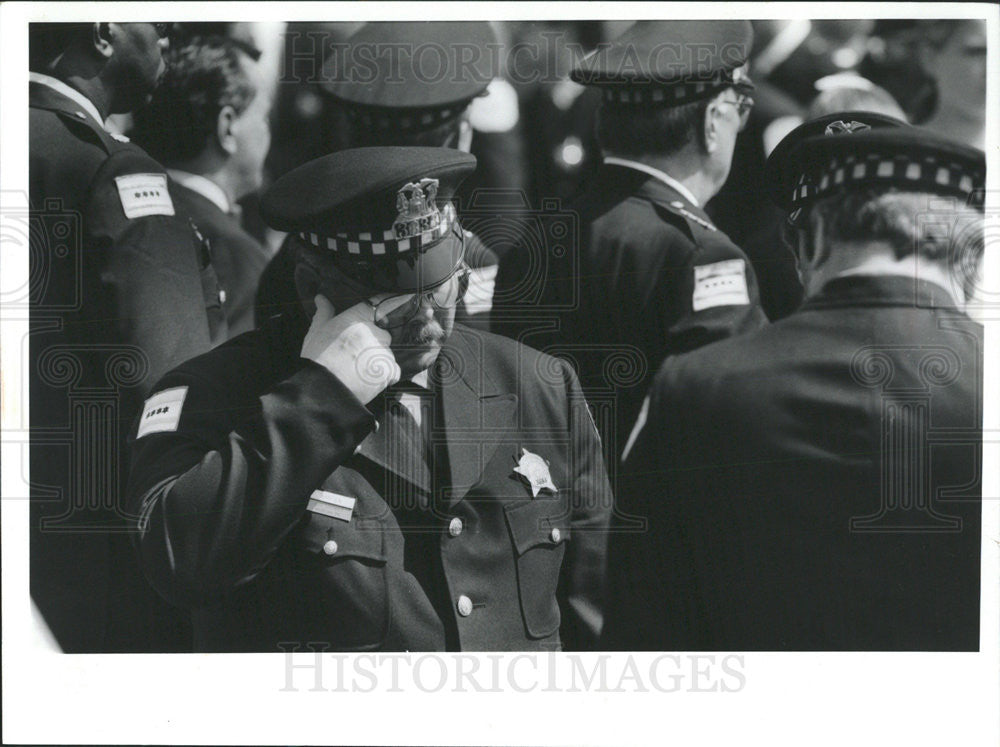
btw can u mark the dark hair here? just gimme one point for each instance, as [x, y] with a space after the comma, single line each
[662, 130]
[46, 41]
[202, 78]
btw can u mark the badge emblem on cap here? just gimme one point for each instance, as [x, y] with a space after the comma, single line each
[840, 127]
[535, 470]
[417, 209]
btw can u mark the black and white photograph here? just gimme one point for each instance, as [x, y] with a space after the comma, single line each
[514, 373]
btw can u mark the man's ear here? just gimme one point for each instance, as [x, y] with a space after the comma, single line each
[465, 135]
[103, 39]
[711, 125]
[307, 281]
[224, 130]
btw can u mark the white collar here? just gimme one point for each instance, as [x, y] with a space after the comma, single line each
[420, 380]
[203, 186]
[69, 92]
[663, 177]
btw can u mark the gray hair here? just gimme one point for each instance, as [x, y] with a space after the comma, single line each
[945, 232]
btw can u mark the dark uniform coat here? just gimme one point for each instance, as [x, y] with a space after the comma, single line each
[238, 258]
[116, 301]
[810, 486]
[655, 278]
[451, 551]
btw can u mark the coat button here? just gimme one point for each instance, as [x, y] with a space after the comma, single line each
[555, 535]
[464, 606]
[455, 527]
[330, 547]
[222, 296]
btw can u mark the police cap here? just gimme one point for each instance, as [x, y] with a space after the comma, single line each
[856, 149]
[669, 63]
[412, 76]
[381, 214]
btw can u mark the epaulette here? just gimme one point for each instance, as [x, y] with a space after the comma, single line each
[678, 207]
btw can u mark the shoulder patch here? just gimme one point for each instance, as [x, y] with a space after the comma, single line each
[720, 284]
[162, 412]
[144, 194]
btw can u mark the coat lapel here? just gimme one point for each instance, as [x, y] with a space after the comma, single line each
[477, 412]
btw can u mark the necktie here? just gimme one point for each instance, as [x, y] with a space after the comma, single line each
[404, 431]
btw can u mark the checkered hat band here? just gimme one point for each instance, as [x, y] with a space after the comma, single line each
[370, 244]
[651, 93]
[413, 121]
[927, 173]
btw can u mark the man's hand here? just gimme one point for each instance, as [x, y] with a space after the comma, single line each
[352, 348]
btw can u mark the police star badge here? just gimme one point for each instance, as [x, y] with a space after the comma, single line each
[535, 470]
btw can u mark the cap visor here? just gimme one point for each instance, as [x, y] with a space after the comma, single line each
[411, 272]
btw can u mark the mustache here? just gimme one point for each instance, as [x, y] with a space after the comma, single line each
[422, 333]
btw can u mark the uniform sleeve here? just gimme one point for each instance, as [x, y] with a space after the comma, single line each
[219, 479]
[160, 291]
[581, 586]
[715, 296]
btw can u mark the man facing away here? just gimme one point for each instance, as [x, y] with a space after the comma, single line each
[654, 277]
[815, 485]
[208, 123]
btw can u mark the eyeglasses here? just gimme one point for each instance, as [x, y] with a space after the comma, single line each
[395, 311]
[743, 104]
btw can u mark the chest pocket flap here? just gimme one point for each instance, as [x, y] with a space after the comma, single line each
[540, 522]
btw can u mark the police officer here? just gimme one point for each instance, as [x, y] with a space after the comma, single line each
[124, 291]
[654, 277]
[405, 83]
[290, 493]
[815, 484]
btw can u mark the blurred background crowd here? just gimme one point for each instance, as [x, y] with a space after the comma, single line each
[534, 130]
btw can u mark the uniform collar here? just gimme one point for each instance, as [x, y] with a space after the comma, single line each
[203, 186]
[69, 92]
[656, 174]
[881, 290]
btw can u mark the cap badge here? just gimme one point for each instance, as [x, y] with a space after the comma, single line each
[417, 209]
[840, 126]
[535, 470]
